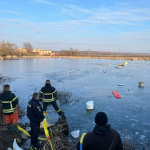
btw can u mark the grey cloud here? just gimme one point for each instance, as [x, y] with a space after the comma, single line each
[123, 15]
[4, 34]
[15, 20]
[12, 12]
[27, 26]
[44, 2]
[3, 3]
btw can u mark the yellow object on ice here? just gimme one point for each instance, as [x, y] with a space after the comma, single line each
[126, 63]
[46, 132]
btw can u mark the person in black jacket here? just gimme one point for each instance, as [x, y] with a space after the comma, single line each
[103, 137]
[49, 95]
[35, 115]
[9, 102]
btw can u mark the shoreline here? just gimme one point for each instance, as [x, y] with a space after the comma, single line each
[146, 58]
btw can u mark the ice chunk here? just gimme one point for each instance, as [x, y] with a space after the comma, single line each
[75, 133]
[15, 146]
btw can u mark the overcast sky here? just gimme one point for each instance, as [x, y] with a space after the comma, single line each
[99, 25]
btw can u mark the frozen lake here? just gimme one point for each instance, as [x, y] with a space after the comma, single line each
[88, 80]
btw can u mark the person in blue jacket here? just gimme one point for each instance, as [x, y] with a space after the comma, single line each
[35, 115]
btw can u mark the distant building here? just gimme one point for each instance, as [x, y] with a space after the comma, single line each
[42, 51]
[38, 51]
[22, 50]
[53, 54]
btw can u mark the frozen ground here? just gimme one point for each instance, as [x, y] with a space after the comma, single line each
[88, 80]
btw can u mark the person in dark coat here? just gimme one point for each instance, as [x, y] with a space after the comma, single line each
[9, 105]
[48, 95]
[35, 115]
[103, 137]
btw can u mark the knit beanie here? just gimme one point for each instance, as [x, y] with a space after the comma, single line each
[101, 119]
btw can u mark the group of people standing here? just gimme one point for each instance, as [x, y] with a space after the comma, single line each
[35, 111]
[103, 137]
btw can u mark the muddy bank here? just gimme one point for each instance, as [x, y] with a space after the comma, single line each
[146, 58]
[6, 140]
[58, 138]
[59, 135]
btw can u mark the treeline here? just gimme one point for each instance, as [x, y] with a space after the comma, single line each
[70, 52]
[7, 48]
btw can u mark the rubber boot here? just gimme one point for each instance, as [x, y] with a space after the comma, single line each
[15, 129]
[9, 128]
[62, 115]
[38, 147]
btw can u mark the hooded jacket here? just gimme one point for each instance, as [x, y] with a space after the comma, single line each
[102, 138]
[9, 101]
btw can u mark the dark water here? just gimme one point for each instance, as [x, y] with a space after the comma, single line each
[88, 80]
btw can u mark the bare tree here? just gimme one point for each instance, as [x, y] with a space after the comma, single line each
[7, 48]
[28, 47]
[13, 47]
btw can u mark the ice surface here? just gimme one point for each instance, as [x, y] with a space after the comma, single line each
[87, 80]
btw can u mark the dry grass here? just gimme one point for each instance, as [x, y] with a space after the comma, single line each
[64, 96]
[129, 143]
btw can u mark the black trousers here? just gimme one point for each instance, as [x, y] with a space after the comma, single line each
[35, 131]
[54, 104]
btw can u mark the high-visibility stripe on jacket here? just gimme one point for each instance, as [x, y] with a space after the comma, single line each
[9, 101]
[81, 140]
[11, 110]
[48, 93]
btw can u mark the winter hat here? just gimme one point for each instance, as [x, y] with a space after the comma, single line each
[101, 119]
